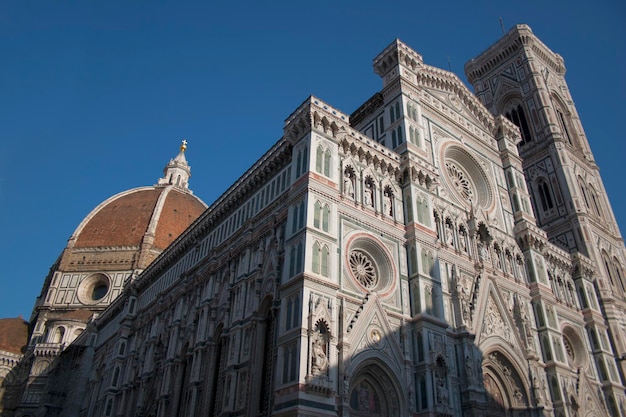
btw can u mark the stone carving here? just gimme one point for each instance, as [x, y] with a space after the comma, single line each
[494, 324]
[449, 234]
[388, 204]
[319, 361]
[348, 183]
[367, 197]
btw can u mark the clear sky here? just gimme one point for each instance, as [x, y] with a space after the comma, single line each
[96, 96]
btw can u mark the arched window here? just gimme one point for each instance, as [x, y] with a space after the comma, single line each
[607, 267]
[59, 333]
[392, 115]
[116, 377]
[618, 273]
[316, 258]
[518, 117]
[299, 258]
[594, 200]
[583, 191]
[322, 161]
[564, 120]
[324, 265]
[563, 124]
[327, 163]
[325, 218]
[319, 159]
[414, 136]
[545, 196]
[321, 216]
[301, 162]
[317, 213]
[400, 136]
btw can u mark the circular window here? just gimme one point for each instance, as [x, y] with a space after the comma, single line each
[93, 288]
[574, 348]
[363, 269]
[465, 178]
[369, 263]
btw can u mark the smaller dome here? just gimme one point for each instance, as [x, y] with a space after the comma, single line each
[13, 335]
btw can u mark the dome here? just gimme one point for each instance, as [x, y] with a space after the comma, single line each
[126, 218]
[130, 229]
[13, 335]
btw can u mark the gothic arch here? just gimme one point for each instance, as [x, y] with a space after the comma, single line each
[505, 384]
[514, 109]
[564, 119]
[374, 391]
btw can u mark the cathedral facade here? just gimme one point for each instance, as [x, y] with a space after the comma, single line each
[434, 253]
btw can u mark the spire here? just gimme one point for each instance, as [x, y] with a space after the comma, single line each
[177, 171]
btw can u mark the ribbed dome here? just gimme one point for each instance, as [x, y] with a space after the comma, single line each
[124, 219]
[129, 230]
[13, 335]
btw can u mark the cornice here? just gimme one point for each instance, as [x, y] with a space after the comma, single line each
[519, 37]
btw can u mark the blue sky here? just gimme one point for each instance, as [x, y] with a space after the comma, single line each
[96, 96]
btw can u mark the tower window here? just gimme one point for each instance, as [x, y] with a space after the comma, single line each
[544, 195]
[518, 117]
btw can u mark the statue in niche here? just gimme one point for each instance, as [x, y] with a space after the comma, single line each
[483, 251]
[388, 204]
[348, 185]
[367, 196]
[319, 361]
[449, 234]
[465, 302]
[462, 240]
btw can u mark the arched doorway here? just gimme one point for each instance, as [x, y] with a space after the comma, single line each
[374, 392]
[506, 391]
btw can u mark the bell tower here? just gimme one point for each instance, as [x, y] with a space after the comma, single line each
[520, 78]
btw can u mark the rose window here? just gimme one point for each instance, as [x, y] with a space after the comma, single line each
[465, 178]
[460, 181]
[363, 269]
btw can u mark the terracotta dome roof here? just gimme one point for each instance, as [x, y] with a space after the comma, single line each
[13, 335]
[123, 220]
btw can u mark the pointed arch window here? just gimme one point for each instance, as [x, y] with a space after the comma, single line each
[321, 216]
[564, 126]
[320, 259]
[301, 162]
[325, 217]
[518, 117]
[317, 213]
[594, 200]
[319, 159]
[116, 377]
[423, 211]
[322, 160]
[544, 195]
[316, 258]
[583, 191]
